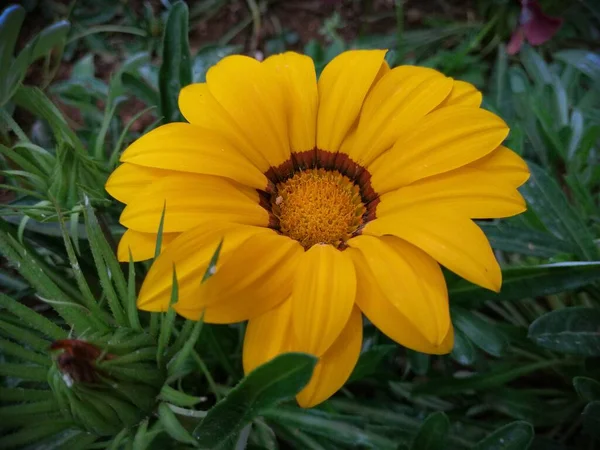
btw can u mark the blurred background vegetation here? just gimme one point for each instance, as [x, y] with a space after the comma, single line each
[80, 80]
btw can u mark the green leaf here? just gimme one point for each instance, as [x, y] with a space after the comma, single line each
[524, 282]
[178, 398]
[545, 197]
[432, 434]
[574, 330]
[370, 360]
[31, 318]
[10, 24]
[587, 388]
[535, 66]
[320, 424]
[24, 395]
[584, 60]
[486, 380]
[177, 367]
[481, 332]
[514, 436]
[172, 425]
[24, 372]
[279, 379]
[525, 241]
[34, 433]
[463, 351]
[591, 419]
[209, 56]
[175, 70]
[418, 362]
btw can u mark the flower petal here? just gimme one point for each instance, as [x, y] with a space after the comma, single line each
[141, 245]
[504, 163]
[469, 192]
[267, 336]
[411, 280]
[373, 302]
[443, 140]
[454, 241]
[254, 99]
[189, 199]
[297, 74]
[322, 297]
[463, 94]
[190, 255]
[252, 281]
[398, 101]
[200, 108]
[128, 180]
[187, 148]
[343, 85]
[336, 365]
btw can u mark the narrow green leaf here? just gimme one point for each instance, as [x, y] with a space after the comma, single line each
[140, 89]
[545, 197]
[168, 321]
[524, 282]
[10, 348]
[95, 238]
[370, 360]
[586, 61]
[24, 372]
[131, 306]
[432, 434]
[491, 379]
[338, 431]
[172, 425]
[481, 332]
[463, 351]
[525, 241]
[514, 436]
[31, 318]
[24, 395]
[10, 24]
[176, 367]
[587, 388]
[44, 406]
[279, 379]
[176, 70]
[574, 330]
[536, 66]
[34, 433]
[178, 398]
[418, 362]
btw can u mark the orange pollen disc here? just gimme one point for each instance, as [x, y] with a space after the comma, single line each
[318, 206]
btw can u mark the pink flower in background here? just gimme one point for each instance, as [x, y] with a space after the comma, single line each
[535, 27]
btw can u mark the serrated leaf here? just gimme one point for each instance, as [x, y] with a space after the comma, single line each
[524, 282]
[175, 70]
[574, 330]
[277, 380]
[514, 436]
[432, 434]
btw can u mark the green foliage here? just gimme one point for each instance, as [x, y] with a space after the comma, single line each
[524, 370]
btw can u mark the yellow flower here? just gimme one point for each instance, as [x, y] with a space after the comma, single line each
[334, 199]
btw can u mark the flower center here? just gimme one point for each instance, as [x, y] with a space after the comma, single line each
[318, 206]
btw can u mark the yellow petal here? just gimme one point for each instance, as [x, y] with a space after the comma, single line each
[454, 241]
[398, 101]
[443, 140]
[504, 163]
[188, 148]
[141, 245]
[373, 302]
[336, 364]
[254, 99]
[322, 297]
[343, 85]
[267, 336]
[297, 74]
[200, 108]
[411, 280]
[469, 192]
[255, 279]
[189, 199]
[464, 94]
[190, 254]
[128, 180]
